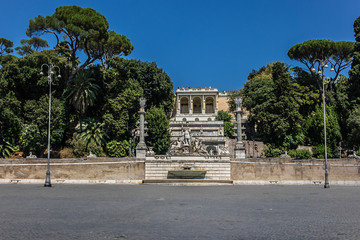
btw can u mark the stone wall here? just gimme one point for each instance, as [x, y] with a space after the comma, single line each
[110, 169]
[130, 170]
[276, 169]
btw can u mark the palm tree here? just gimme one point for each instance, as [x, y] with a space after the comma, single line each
[82, 92]
[94, 133]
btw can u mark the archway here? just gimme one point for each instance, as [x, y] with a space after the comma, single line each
[209, 105]
[184, 105]
[196, 105]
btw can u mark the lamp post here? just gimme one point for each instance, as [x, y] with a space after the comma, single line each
[50, 79]
[322, 64]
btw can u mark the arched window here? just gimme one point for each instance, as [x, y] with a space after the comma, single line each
[209, 105]
[196, 105]
[184, 105]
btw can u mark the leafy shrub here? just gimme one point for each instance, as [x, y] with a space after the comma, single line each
[78, 145]
[117, 149]
[358, 152]
[32, 140]
[319, 151]
[300, 154]
[272, 152]
[6, 149]
[95, 149]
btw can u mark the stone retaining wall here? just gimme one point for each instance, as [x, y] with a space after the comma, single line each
[131, 170]
[73, 169]
[276, 169]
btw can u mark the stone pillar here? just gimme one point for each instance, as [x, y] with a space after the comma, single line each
[239, 147]
[191, 102]
[202, 104]
[141, 147]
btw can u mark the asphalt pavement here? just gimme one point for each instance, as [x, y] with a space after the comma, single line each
[178, 212]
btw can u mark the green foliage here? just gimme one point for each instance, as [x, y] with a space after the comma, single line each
[31, 45]
[354, 73]
[83, 29]
[82, 93]
[156, 85]
[10, 122]
[271, 151]
[228, 126]
[36, 117]
[121, 113]
[292, 141]
[158, 130]
[358, 152]
[78, 145]
[5, 46]
[300, 154]
[319, 151]
[272, 105]
[353, 124]
[5, 149]
[337, 54]
[32, 140]
[94, 134]
[314, 127]
[117, 148]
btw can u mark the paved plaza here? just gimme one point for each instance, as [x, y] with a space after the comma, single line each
[178, 212]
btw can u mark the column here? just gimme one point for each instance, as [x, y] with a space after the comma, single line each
[141, 147]
[239, 147]
[202, 104]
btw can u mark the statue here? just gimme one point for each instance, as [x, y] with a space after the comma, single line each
[31, 155]
[92, 155]
[150, 151]
[187, 137]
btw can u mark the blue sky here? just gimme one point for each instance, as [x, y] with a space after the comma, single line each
[202, 43]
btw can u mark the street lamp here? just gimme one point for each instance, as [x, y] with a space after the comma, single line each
[321, 70]
[50, 79]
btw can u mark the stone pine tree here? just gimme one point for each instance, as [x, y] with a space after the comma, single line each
[78, 29]
[5, 46]
[337, 54]
[158, 130]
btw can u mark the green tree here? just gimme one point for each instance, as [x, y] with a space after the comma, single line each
[36, 113]
[354, 73]
[31, 45]
[5, 46]
[337, 54]
[10, 121]
[156, 85]
[83, 29]
[158, 130]
[94, 136]
[228, 126]
[125, 81]
[314, 127]
[82, 92]
[272, 105]
[353, 124]
[117, 148]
